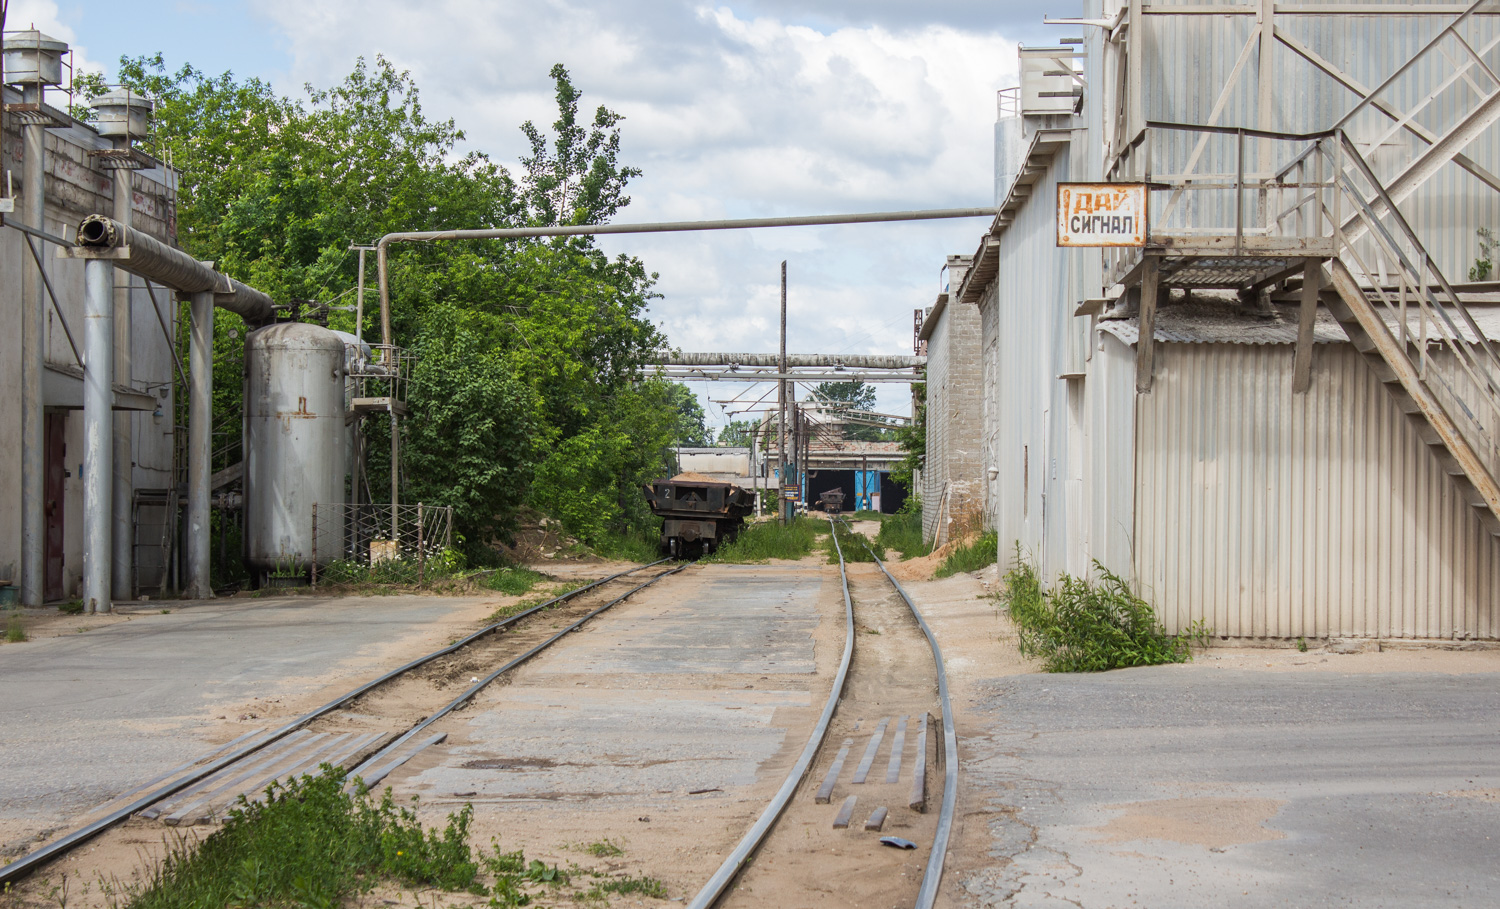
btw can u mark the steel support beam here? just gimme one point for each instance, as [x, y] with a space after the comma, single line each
[98, 432]
[33, 354]
[1312, 284]
[200, 445]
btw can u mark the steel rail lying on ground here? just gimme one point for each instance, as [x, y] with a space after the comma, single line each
[28, 863]
[933, 876]
[719, 883]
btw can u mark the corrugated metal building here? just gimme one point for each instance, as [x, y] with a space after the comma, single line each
[1225, 494]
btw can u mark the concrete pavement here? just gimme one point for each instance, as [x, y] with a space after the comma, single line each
[89, 715]
[1176, 786]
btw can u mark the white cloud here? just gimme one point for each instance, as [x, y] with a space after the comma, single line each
[729, 115]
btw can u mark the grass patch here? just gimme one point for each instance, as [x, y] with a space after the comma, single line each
[643, 886]
[537, 599]
[311, 844]
[765, 540]
[15, 632]
[72, 607]
[903, 533]
[639, 546]
[1087, 626]
[515, 580]
[866, 515]
[981, 553]
[604, 849]
[856, 546]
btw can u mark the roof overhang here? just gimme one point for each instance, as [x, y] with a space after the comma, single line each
[1034, 165]
[62, 388]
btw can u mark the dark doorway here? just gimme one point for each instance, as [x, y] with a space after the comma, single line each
[892, 494]
[55, 452]
[820, 481]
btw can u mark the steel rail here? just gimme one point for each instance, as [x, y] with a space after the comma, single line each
[932, 878]
[30, 862]
[735, 862]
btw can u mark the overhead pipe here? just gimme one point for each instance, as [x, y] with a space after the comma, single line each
[660, 227]
[156, 261]
[797, 361]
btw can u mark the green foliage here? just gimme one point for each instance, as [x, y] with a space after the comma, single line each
[1086, 626]
[765, 540]
[856, 395]
[528, 387]
[515, 581]
[630, 545]
[856, 546]
[981, 553]
[15, 632]
[866, 515]
[738, 434]
[1484, 266]
[71, 607]
[472, 428]
[310, 844]
[913, 439]
[903, 533]
[692, 432]
[604, 849]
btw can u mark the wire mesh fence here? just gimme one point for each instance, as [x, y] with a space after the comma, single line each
[378, 543]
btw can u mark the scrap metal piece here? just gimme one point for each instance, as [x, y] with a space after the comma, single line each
[898, 842]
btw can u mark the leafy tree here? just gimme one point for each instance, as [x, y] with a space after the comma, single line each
[856, 395]
[738, 433]
[528, 387]
[913, 439]
[692, 431]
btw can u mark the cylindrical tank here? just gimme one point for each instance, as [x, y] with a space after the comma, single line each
[294, 447]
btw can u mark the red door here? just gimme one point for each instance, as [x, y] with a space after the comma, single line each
[56, 454]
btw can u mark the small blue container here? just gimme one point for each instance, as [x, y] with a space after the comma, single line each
[10, 596]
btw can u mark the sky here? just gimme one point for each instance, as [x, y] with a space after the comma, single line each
[741, 109]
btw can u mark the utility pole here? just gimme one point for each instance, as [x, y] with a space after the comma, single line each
[781, 471]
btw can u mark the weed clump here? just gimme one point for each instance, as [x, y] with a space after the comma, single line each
[856, 546]
[766, 540]
[981, 553]
[311, 843]
[515, 580]
[903, 532]
[1086, 626]
[15, 632]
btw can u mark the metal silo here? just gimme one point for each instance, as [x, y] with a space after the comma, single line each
[294, 447]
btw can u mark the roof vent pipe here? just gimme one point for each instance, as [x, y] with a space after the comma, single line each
[32, 58]
[156, 261]
[122, 115]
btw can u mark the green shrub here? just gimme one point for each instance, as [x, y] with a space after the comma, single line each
[903, 533]
[765, 540]
[310, 843]
[1088, 626]
[15, 632]
[638, 546]
[981, 553]
[866, 514]
[72, 607]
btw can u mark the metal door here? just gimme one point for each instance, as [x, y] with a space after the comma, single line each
[56, 454]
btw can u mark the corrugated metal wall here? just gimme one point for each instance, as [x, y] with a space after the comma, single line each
[1269, 514]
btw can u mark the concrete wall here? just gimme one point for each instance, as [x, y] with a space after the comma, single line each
[75, 187]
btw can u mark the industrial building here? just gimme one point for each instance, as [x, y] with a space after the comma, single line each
[1274, 409]
[107, 484]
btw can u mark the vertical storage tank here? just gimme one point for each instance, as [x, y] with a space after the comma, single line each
[294, 447]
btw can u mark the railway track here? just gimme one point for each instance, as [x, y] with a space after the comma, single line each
[355, 729]
[866, 770]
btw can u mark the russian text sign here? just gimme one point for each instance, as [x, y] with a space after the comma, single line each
[1101, 214]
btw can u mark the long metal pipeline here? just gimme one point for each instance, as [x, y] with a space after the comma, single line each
[661, 227]
[798, 361]
[152, 259]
